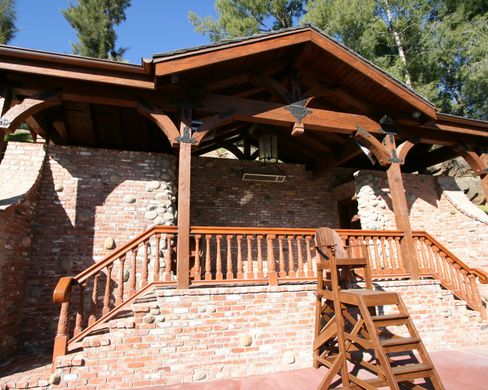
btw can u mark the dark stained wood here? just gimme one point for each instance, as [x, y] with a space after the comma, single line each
[161, 119]
[184, 182]
[400, 208]
[376, 147]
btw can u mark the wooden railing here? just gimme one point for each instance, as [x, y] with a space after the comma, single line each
[93, 294]
[229, 255]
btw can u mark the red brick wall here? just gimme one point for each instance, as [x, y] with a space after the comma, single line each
[83, 203]
[219, 196]
[176, 336]
[19, 178]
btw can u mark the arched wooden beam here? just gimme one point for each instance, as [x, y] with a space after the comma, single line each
[376, 147]
[28, 107]
[161, 119]
[232, 149]
[212, 123]
[477, 163]
[405, 147]
[473, 159]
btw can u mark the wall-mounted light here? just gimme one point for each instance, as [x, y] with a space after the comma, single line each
[268, 149]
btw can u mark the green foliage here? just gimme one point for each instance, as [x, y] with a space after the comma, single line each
[19, 136]
[94, 22]
[7, 21]
[237, 18]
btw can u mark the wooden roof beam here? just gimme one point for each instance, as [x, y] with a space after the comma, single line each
[161, 119]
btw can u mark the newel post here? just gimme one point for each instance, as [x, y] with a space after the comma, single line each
[61, 295]
[400, 208]
[184, 175]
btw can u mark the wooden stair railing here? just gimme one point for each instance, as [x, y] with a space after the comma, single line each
[95, 292]
[231, 255]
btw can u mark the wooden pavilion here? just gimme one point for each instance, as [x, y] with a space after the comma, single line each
[324, 104]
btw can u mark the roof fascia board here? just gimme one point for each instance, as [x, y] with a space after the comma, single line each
[212, 55]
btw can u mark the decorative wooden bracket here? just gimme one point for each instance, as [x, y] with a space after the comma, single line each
[405, 147]
[28, 107]
[161, 119]
[473, 159]
[299, 111]
[376, 147]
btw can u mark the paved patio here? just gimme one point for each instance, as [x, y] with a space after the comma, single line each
[465, 369]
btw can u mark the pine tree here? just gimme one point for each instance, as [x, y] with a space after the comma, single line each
[94, 22]
[237, 18]
[7, 21]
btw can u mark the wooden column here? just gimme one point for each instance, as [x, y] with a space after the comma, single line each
[400, 208]
[184, 176]
[5, 101]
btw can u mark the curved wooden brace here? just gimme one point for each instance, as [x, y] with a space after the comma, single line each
[405, 147]
[212, 123]
[28, 107]
[473, 159]
[376, 147]
[161, 119]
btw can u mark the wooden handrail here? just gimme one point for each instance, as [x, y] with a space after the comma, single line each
[62, 290]
[97, 267]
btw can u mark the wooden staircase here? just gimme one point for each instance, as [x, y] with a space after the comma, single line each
[357, 329]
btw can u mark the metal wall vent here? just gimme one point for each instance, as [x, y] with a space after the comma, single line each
[263, 177]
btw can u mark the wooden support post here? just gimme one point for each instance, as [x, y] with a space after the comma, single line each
[184, 175]
[400, 208]
[5, 101]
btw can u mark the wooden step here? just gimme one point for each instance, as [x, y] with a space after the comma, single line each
[400, 344]
[412, 371]
[390, 319]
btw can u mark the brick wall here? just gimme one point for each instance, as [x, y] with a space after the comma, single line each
[88, 198]
[219, 196]
[204, 334]
[19, 178]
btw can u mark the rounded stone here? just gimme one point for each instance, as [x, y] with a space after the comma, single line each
[149, 319]
[165, 163]
[152, 185]
[109, 243]
[152, 206]
[59, 188]
[199, 376]
[114, 179]
[162, 196]
[54, 379]
[168, 216]
[154, 312]
[201, 309]
[152, 214]
[159, 221]
[288, 358]
[26, 241]
[211, 309]
[126, 275]
[84, 216]
[129, 199]
[161, 319]
[245, 340]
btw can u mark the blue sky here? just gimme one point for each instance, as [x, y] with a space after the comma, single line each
[152, 26]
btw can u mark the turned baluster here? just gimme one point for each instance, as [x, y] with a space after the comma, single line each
[458, 285]
[272, 275]
[301, 272]
[423, 254]
[208, 271]
[450, 274]
[120, 290]
[144, 275]
[260, 274]
[197, 271]
[93, 302]
[377, 261]
[62, 333]
[386, 267]
[282, 257]
[132, 275]
[393, 264]
[401, 267]
[250, 263]
[431, 259]
[442, 263]
[240, 273]
[219, 275]
[229, 274]
[106, 296]
[80, 310]
[167, 258]
[309, 256]
[291, 261]
[156, 259]
[475, 296]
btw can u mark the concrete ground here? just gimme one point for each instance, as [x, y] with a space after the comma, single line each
[465, 369]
